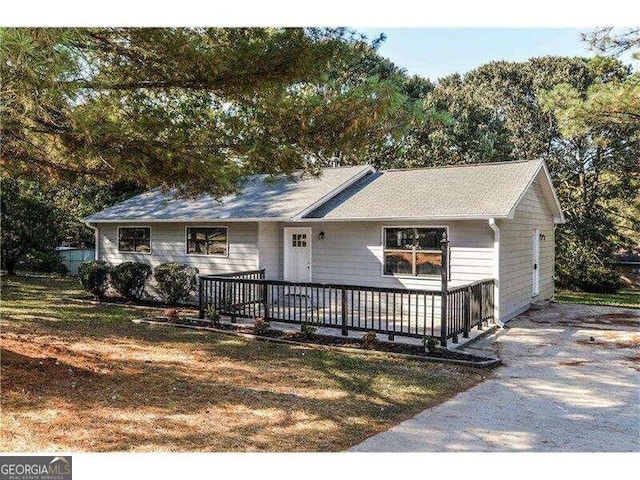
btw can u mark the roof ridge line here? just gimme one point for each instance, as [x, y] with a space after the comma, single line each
[459, 165]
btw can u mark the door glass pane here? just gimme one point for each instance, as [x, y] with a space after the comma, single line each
[428, 263]
[401, 238]
[299, 240]
[398, 263]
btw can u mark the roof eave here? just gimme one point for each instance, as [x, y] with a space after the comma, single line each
[186, 220]
[433, 218]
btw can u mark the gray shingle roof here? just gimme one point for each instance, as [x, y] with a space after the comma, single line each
[283, 198]
[463, 191]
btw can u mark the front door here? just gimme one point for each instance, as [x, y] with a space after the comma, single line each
[297, 254]
[536, 262]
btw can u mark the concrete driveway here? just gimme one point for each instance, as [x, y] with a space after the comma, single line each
[570, 382]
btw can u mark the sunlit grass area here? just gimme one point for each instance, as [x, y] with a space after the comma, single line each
[624, 298]
[77, 376]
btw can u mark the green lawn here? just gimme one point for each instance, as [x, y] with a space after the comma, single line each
[77, 376]
[624, 298]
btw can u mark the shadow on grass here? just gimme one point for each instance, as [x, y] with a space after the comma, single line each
[116, 385]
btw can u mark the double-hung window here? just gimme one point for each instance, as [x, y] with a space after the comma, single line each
[413, 251]
[134, 239]
[207, 241]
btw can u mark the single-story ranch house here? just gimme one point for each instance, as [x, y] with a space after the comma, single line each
[357, 230]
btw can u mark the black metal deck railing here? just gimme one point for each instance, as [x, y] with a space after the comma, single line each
[468, 306]
[390, 311]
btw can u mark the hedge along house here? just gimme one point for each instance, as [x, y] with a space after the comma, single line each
[431, 251]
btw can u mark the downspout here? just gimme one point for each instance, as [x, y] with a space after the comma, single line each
[96, 240]
[496, 271]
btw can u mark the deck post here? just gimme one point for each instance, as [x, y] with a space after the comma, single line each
[481, 301]
[345, 331]
[467, 312]
[265, 300]
[444, 270]
[200, 300]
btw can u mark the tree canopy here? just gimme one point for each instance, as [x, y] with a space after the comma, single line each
[108, 112]
[190, 108]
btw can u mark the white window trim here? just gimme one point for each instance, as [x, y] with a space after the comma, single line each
[415, 277]
[131, 252]
[215, 255]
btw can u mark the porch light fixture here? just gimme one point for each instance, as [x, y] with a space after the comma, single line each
[321, 235]
[543, 236]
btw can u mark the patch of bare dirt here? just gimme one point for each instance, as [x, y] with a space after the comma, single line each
[631, 343]
[574, 363]
[635, 361]
[32, 375]
[604, 321]
[619, 319]
[55, 350]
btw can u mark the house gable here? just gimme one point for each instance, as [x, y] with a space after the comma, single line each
[472, 192]
[542, 178]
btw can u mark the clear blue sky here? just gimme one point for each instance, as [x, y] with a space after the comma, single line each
[437, 52]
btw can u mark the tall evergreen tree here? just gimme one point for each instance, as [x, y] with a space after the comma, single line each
[191, 108]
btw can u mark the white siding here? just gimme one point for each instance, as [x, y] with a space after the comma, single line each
[351, 253]
[168, 244]
[270, 247]
[516, 254]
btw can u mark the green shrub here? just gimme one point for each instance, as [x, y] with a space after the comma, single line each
[430, 344]
[369, 340]
[94, 277]
[176, 281]
[48, 262]
[583, 270]
[212, 315]
[585, 257]
[307, 330]
[130, 278]
[260, 326]
[601, 280]
[172, 315]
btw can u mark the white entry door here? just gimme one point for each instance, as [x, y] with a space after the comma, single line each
[536, 262]
[297, 254]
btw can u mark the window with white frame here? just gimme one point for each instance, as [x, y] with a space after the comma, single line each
[134, 239]
[207, 241]
[413, 251]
